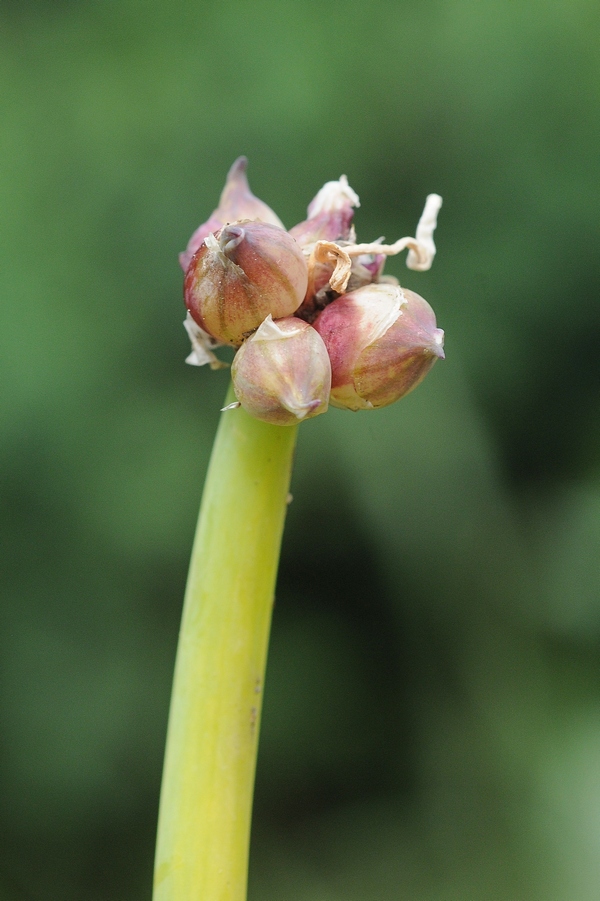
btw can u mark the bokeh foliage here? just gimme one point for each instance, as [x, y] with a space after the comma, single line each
[432, 717]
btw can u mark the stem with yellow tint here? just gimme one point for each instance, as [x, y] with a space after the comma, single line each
[208, 779]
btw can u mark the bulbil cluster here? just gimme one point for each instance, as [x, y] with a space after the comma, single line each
[312, 316]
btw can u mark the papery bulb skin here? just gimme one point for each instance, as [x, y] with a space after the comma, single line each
[382, 341]
[237, 202]
[281, 373]
[240, 275]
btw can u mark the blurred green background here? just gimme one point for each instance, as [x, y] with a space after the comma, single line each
[431, 728]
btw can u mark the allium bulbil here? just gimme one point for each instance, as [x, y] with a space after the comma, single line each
[237, 202]
[382, 340]
[241, 274]
[281, 373]
[308, 308]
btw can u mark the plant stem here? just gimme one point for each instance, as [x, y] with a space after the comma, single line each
[208, 779]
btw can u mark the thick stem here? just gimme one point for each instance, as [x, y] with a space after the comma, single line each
[208, 780]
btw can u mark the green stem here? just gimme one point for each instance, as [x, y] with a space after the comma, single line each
[208, 779]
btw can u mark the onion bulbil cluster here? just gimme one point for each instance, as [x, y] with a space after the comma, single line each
[311, 314]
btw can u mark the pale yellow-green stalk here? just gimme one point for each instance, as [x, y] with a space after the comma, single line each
[208, 780]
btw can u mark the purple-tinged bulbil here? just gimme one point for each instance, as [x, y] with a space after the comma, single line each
[330, 214]
[237, 202]
[382, 340]
[281, 374]
[240, 275]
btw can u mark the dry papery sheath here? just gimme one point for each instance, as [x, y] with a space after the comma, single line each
[311, 312]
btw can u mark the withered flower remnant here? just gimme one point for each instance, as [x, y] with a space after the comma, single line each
[329, 225]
